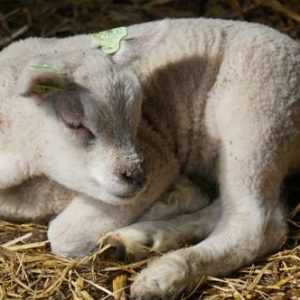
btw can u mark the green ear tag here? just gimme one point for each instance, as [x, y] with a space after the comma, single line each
[46, 66]
[109, 40]
[43, 66]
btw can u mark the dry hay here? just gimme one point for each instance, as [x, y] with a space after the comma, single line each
[28, 270]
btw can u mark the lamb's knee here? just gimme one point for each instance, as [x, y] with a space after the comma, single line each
[183, 197]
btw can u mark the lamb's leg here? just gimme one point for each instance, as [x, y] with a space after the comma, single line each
[160, 229]
[183, 197]
[80, 226]
[252, 222]
[136, 241]
[77, 229]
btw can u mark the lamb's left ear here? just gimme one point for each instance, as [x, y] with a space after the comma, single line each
[139, 40]
[42, 76]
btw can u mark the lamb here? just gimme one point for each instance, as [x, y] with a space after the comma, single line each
[54, 108]
[219, 99]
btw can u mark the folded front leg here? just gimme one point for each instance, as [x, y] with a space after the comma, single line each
[169, 223]
[138, 240]
[183, 197]
[76, 230]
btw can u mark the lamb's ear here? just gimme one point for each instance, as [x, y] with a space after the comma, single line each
[48, 81]
[41, 77]
[139, 40]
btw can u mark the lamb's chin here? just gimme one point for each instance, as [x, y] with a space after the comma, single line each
[111, 198]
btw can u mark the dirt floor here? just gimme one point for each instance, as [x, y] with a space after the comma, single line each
[27, 268]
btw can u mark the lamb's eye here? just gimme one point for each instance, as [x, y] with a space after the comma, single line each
[91, 137]
[82, 132]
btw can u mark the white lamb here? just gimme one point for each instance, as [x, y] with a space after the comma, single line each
[218, 99]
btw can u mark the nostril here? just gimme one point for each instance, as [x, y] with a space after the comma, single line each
[135, 178]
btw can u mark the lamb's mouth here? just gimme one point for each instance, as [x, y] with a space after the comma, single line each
[126, 196]
[124, 192]
[130, 194]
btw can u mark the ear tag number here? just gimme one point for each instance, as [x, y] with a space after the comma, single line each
[108, 40]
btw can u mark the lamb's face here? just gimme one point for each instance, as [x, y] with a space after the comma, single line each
[92, 117]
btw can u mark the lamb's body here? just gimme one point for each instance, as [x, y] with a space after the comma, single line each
[222, 101]
[189, 78]
[26, 141]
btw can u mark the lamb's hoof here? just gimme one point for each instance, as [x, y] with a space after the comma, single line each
[127, 245]
[146, 296]
[166, 278]
[116, 250]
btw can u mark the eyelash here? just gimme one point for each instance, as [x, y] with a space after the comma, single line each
[74, 125]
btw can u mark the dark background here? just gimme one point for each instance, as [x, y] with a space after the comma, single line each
[21, 18]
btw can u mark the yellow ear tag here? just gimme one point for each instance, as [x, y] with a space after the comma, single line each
[109, 40]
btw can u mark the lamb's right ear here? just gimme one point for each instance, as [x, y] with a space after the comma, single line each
[41, 77]
[50, 81]
[140, 39]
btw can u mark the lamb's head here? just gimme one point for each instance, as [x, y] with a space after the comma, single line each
[91, 111]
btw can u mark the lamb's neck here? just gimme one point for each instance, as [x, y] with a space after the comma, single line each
[185, 42]
[176, 79]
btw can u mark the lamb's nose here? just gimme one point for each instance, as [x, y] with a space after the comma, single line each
[135, 178]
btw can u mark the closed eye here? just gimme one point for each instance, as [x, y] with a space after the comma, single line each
[81, 130]
[73, 124]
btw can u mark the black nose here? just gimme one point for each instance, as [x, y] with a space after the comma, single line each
[135, 178]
